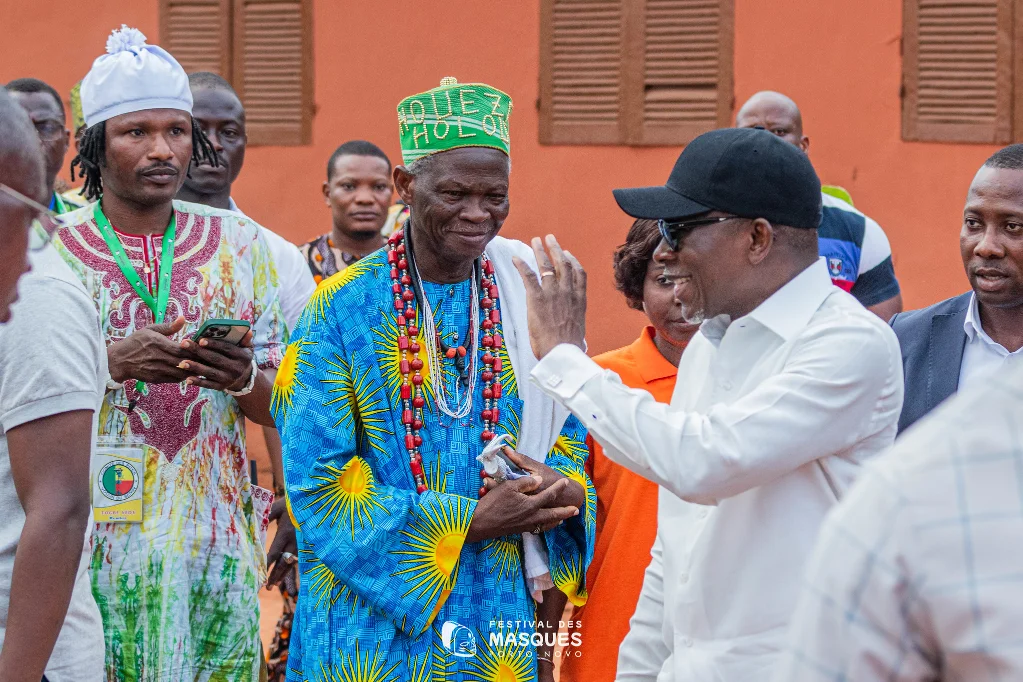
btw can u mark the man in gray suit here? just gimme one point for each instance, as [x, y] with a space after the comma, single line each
[965, 339]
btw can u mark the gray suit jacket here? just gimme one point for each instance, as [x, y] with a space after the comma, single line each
[932, 341]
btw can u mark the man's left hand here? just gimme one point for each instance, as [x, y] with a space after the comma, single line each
[574, 495]
[285, 543]
[217, 364]
[556, 304]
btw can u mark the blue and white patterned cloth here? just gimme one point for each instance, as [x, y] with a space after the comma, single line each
[388, 589]
[918, 573]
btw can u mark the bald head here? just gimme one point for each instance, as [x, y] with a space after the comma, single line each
[775, 113]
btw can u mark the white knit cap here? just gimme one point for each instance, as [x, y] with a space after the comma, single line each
[133, 76]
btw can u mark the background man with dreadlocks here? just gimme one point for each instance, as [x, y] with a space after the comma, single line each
[178, 590]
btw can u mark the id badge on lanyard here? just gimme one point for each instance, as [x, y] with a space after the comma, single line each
[120, 463]
[118, 478]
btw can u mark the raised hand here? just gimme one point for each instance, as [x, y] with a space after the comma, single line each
[556, 304]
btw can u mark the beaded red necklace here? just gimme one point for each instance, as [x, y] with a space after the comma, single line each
[411, 365]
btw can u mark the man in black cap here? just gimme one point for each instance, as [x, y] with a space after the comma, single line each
[788, 387]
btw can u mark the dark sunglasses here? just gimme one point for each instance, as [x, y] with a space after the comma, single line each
[672, 231]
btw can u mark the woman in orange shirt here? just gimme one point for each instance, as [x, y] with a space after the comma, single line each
[626, 502]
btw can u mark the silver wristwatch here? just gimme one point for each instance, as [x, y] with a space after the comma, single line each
[249, 386]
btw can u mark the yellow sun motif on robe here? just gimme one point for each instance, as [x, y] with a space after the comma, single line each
[577, 474]
[509, 384]
[289, 376]
[504, 555]
[324, 587]
[506, 661]
[569, 577]
[437, 476]
[356, 402]
[421, 670]
[346, 494]
[511, 424]
[323, 297]
[433, 543]
[390, 356]
[360, 668]
[572, 448]
[442, 663]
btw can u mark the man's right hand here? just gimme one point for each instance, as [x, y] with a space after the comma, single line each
[509, 509]
[149, 355]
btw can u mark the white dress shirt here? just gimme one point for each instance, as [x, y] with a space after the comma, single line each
[296, 281]
[982, 355]
[918, 574]
[771, 418]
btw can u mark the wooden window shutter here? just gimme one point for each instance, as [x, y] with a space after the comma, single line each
[681, 82]
[198, 34]
[273, 69]
[637, 72]
[957, 70]
[580, 72]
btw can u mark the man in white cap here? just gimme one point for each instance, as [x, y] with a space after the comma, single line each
[177, 557]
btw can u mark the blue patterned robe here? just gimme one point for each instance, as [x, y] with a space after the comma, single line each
[389, 591]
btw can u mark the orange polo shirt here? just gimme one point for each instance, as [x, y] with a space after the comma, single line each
[626, 526]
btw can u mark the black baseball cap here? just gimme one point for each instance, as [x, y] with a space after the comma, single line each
[742, 171]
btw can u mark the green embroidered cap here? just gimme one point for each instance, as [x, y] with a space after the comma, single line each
[454, 115]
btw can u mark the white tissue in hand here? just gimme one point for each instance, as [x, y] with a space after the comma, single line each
[493, 464]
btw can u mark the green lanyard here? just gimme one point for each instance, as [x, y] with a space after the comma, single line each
[159, 304]
[59, 207]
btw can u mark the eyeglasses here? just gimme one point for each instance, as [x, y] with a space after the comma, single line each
[46, 223]
[673, 231]
[49, 131]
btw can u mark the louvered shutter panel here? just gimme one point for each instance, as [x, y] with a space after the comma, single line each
[580, 71]
[272, 69]
[198, 34]
[957, 70]
[686, 70]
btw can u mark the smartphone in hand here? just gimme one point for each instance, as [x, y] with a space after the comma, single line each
[229, 331]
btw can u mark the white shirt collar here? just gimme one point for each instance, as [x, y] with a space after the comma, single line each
[787, 310]
[974, 328]
[231, 206]
[972, 324]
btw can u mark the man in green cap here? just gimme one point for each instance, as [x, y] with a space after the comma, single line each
[399, 389]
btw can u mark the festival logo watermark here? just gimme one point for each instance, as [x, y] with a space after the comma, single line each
[565, 641]
[458, 639]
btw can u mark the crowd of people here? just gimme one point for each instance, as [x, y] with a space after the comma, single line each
[460, 492]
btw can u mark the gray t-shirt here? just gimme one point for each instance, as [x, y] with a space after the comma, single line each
[52, 360]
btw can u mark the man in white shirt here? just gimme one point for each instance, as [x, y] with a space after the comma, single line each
[52, 375]
[966, 339]
[220, 112]
[918, 573]
[788, 387]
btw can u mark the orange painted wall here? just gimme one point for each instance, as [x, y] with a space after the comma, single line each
[840, 62]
